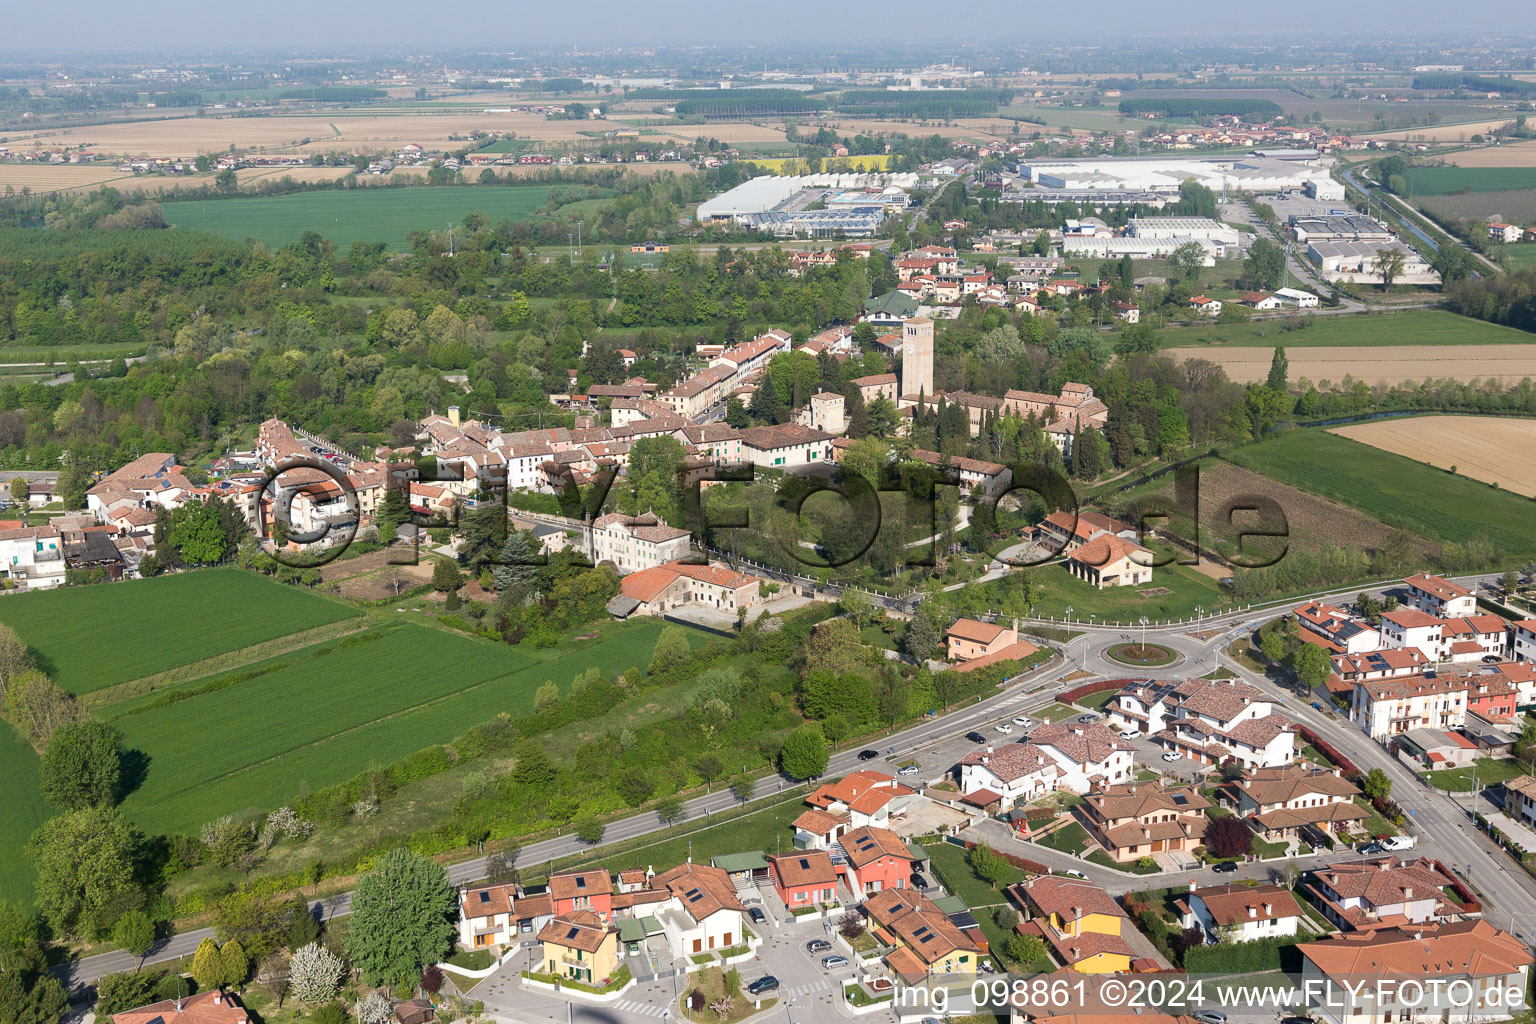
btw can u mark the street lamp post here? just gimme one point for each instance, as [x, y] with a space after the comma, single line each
[1143, 634]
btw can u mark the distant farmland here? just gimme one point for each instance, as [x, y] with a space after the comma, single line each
[1439, 181]
[362, 215]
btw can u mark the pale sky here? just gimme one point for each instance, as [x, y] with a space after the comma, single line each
[328, 25]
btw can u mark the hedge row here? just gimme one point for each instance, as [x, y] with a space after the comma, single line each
[1098, 686]
[1238, 957]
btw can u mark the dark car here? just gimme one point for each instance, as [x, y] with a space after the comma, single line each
[868, 755]
[767, 983]
[817, 946]
[1316, 706]
[975, 737]
[757, 915]
[1225, 866]
[918, 881]
[1297, 1020]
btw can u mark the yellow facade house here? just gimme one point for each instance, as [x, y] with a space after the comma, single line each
[580, 947]
[1080, 923]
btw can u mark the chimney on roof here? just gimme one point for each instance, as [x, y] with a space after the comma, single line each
[1191, 885]
[989, 748]
[453, 415]
[218, 997]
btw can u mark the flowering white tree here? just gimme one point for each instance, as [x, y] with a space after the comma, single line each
[374, 1008]
[315, 973]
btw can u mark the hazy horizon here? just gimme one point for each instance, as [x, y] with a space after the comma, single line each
[163, 27]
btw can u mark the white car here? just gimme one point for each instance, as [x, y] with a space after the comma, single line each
[1073, 873]
[1005, 728]
[907, 769]
[1171, 756]
[1131, 734]
[1024, 720]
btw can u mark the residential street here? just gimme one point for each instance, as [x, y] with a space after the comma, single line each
[1442, 824]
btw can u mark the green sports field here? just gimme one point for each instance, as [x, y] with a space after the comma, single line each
[356, 215]
[21, 812]
[1409, 327]
[87, 638]
[1439, 181]
[1399, 491]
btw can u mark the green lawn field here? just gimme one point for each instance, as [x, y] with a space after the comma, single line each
[315, 719]
[1439, 181]
[358, 215]
[1410, 495]
[21, 812]
[87, 638]
[1410, 327]
[1520, 256]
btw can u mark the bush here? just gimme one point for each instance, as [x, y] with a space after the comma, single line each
[1238, 957]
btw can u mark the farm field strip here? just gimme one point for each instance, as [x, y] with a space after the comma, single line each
[1437, 181]
[1517, 205]
[365, 215]
[1481, 447]
[1515, 154]
[21, 812]
[1444, 132]
[188, 783]
[1396, 490]
[1372, 364]
[1408, 327]
[93, 637]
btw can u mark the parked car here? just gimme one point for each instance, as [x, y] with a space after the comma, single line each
[767, 983]
[1074, 873]
[1223, 868]
[835, 960]
[975, 737]
[907, 769]
[1092, 716]
[1297, 1020]
[868, 755]
[757, 915]
[1171, 756]
[1131, 734]
[1371, 849]
[817, 946]
[919, 880]
[1318, 707]
[1396, 844]
[1024, 720]
[1004, 728]
[1211, 1017]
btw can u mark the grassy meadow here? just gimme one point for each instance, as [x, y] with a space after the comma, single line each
[89, 638]
[1439, 181]
[357, 215]
[21, 812]
[1409, 327]
[1396, 490]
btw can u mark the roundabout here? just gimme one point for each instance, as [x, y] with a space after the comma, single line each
[1142, 655]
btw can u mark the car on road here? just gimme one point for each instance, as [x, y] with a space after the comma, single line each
[868, 755]
[1004, 728]
[1024, 720]
[757, 915]
[817, 946]
[1223, 868]
[1371, 849]
[975, 737]
[919, 880]
[1172, 756]
[1297, 1020]
[767, 983]
[907, 769]
[1211, 1017]
[1074, 873]
[1316, 706]
[835, 960]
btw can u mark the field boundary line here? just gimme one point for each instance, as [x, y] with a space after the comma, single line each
[222, 663]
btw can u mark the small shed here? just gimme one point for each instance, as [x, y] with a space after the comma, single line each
[415, 1011]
